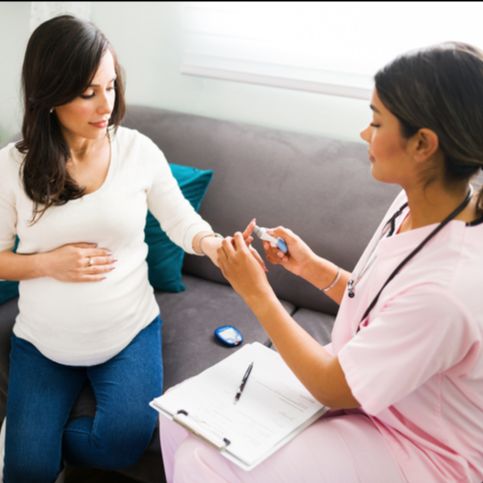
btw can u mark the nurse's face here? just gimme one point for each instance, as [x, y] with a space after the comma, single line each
[388, 149]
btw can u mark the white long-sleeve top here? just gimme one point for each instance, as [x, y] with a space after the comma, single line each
[87, 323]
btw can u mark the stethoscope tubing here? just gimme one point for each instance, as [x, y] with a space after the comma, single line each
[416, 250]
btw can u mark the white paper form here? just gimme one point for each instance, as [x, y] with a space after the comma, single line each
[273, 408]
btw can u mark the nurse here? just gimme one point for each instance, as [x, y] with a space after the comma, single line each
[405, 366]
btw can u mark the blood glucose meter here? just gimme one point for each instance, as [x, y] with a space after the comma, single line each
[228, 335]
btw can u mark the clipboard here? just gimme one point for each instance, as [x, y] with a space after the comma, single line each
[272, 410]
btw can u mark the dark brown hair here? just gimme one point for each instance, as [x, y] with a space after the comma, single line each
[440, 88]
[61, 59]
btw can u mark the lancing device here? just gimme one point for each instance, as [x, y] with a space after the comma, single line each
[276, 242]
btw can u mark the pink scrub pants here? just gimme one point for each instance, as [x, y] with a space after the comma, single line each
[341, 448]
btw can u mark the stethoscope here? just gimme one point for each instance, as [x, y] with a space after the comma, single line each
[388, 230]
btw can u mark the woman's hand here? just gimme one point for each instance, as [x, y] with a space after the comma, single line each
[241, 267]
[78, 262]
[299, 255]
[209, 246]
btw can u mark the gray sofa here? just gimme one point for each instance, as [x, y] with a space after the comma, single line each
[319, 187]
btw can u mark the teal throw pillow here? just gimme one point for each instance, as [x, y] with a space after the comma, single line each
[8, 289]
[165, 259]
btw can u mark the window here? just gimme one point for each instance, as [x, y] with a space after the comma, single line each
[327, 47]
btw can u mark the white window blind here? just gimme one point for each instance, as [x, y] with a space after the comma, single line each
[327, 47]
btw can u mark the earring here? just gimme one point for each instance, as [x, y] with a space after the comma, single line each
[51, 110]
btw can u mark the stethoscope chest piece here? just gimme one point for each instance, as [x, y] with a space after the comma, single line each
[350, 288]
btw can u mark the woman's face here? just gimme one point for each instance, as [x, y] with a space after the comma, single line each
[87, 115]
[388, 153]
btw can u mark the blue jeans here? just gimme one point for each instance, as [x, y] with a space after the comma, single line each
[41, 394]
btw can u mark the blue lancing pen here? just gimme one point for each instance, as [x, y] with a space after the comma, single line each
[276, 242]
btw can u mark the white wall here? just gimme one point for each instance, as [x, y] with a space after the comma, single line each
[146, 36]
[14, 31]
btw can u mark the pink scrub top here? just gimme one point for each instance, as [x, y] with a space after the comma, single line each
[416, 363]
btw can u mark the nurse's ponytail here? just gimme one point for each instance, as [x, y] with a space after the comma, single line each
[440, 88]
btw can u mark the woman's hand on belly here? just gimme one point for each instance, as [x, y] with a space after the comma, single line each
[77, 262]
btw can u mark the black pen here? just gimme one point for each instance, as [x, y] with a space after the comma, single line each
[244, 381]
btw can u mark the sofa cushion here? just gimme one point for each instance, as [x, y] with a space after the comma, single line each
[165, 259]
[189, 320]
[8, 312]
[9, 289]
[317, 324]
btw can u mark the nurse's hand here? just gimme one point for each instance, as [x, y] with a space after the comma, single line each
[299, 257]
[241, 268]
[247, 236]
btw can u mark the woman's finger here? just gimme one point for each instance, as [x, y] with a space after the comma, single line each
[240, 243]
[249, 229]
[258, 258]
[104, 260]
[92, 278]
[222, 257]
[227, 246]
[97, 252]
[95, 269]
[83, 245]
[285, 233]
[271, 253]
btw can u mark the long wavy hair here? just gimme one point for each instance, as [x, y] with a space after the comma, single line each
[440, 88]
[61, 59]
